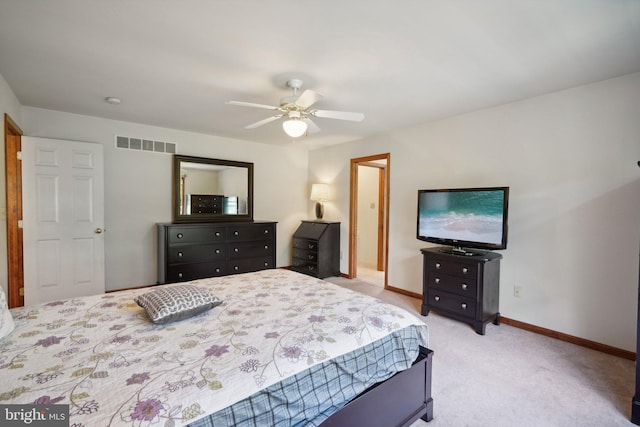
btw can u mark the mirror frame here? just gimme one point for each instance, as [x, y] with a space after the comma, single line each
[180, 218]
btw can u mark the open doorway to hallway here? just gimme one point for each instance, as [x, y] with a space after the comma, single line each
[368, 233]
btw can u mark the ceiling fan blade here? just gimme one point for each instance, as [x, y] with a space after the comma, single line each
[263, 122]
[307, 99]
[251, 104]
[340, 115]
[311, 126]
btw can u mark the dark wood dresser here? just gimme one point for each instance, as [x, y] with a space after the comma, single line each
[207, 203]
[316, 249]
[466, 288]
[194, 251]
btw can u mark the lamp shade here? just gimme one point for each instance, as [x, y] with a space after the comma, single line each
[294, 127]
[319, 192]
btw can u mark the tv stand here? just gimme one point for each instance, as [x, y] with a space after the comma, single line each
[465, 288]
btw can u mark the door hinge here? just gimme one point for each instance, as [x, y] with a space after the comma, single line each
[20, 224]
[19, 155]
[21, 291]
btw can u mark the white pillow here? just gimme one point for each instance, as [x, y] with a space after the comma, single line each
[6, 319]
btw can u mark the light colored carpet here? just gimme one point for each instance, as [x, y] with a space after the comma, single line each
[511, 377]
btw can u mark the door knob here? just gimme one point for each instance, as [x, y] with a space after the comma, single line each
[98, 230]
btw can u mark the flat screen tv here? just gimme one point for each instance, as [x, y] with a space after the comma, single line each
[464, 218]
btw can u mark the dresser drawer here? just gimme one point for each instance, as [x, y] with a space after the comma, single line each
[302, 266]
[250, 249]
[454, 284]
[246, 265]
[304, 255]
[185, 272]
[305, 244]
[196, 253]
[451, 268]
[438, 299]
[195, 234]
[254, 232]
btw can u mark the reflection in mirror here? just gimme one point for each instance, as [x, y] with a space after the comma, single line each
[212, 189]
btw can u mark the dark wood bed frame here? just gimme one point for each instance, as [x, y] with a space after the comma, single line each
[396, 402]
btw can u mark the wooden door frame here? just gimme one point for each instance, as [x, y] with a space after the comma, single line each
[353, 213]
[382, 214]
[13, 185]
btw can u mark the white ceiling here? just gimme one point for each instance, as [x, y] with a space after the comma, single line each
[174, 63]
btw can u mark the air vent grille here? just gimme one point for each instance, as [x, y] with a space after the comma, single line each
[140, 144]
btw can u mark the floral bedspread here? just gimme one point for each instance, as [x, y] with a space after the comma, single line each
[103, 357]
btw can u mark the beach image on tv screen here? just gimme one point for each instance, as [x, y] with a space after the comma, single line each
[474, 216]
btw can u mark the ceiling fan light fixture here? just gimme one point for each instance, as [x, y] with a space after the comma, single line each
[294, 127]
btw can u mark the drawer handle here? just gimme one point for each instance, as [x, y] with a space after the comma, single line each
[310, 256]
[437, 298]
[236, 250]
[179, 254]
[437, 280]
[464, 286]
[180, 275]
[465, 270]
[266, 247]
[217, 269]
[266, 264]
[235, 233]
[310, 245]
[217, 234]
[266, 231]
[463, 305]
[236, 268]
[311, 268]
[437, 265]
[217, 251]
[180, 236]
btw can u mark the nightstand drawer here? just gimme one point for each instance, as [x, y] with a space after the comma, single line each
[438, 299]
[457, 285]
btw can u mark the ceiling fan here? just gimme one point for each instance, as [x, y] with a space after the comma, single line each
[296, 111]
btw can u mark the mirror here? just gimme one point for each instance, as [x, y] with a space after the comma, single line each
[210, 190]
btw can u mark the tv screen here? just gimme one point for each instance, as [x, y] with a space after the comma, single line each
[464, 217]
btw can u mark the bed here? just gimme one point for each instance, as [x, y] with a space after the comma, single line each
[280, 349]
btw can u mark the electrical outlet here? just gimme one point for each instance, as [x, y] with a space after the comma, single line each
[517, 291]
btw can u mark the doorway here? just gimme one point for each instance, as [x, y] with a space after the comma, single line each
[369, 219]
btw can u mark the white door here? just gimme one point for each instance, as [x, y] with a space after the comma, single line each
[63, 219]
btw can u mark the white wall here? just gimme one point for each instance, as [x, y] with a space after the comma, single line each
[570, 160]
[10, 105]
[138, 185]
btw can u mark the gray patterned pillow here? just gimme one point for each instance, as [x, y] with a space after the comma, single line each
[173, 303]
[6, 319]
